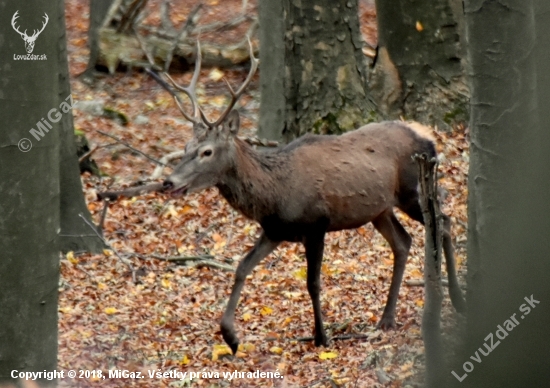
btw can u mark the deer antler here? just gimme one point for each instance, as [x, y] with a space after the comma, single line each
[36, 32]
[235, 95]
[44, 23]
[15, 16]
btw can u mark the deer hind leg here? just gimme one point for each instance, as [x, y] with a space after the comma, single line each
[414, 211]
[400, 243]
[264, 246]
[314, 245]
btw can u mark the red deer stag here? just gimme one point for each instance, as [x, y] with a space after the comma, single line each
[314, 185]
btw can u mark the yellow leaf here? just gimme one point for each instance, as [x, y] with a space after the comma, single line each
[276, 350]
[300, 274]
[71, 258]
[419, 303]
[110, 310]
[416, 273]
[186, 209]
[216, 75]
[102, 286]
[419, 26]
[107, 252]
[184, 360]
[327, 355]
[266, 310]
[166, 283]
[246, 348]
[246, 317]
[65, 310]
[220, 350]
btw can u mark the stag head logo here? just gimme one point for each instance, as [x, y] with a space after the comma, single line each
[29, 40]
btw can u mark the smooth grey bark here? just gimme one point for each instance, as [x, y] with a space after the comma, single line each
[75, 235]
[272, 74]
[431, 318]
[29, 187]
[509, 195]
[419, 71]
[98, 11]
[324, 69]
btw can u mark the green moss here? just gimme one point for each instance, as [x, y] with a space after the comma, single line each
[458, 114]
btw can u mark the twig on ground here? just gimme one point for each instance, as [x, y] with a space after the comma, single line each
[197, 261]
[420, 283]
[129, 192]
[87, 154]
[123, 260]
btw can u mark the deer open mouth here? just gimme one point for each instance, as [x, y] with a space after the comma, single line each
[178, 192]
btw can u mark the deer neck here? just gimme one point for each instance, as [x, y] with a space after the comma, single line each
[251, 184]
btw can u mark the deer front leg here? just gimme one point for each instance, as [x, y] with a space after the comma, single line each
[264, 246]
[314, 255]
[454, 289]
[400, 243]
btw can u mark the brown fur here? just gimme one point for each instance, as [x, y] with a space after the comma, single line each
[312, 186]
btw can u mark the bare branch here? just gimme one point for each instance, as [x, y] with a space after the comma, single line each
[130, 147]
[123, 260]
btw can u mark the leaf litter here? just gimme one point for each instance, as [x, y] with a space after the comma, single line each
[170, 319]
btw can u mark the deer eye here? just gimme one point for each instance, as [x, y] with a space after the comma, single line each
[207, 152]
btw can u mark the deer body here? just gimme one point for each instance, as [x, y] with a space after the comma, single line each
[314, 185]
[341, 182]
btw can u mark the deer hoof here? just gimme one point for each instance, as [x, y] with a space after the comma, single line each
[230, 338]
[321, 340]
[387, 323]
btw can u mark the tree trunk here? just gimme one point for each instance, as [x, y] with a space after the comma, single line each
[98, 11]
[419, 66]
[431, 319]
[313, 72]
[75, 235]
[509, 200]
[29, 183]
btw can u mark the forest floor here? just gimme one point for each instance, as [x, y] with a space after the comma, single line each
[169, 320]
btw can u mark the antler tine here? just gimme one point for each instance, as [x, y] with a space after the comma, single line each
[191, 89]
[13, 19]
[236, 95]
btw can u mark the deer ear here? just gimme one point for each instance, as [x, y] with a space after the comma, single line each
[232, 123]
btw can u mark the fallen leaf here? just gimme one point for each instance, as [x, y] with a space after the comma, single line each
[327, 355]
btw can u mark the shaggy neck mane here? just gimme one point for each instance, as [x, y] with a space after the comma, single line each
[250, 184]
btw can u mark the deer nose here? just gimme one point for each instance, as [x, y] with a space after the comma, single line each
[167, 184]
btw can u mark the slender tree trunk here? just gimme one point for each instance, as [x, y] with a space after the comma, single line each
[419, 67]
[98, 11]
[318, 65]
[29, 185]
[509, 200]
[431, 319]
[75, 235]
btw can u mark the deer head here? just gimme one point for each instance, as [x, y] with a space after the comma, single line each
[209, 154]
[29, 40]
